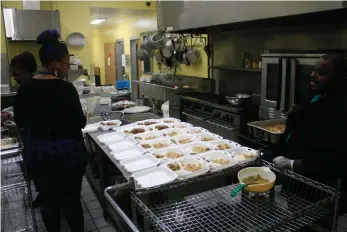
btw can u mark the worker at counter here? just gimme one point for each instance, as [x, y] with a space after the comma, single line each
[313, 143]
[49, 110]
[22, 68]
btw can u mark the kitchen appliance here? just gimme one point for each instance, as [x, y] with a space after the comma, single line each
[17, 26]
[286, 75]
[215, 114]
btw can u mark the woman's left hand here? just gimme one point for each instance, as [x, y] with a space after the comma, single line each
[283, 163]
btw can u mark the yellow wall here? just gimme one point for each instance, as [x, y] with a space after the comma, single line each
[3, 36]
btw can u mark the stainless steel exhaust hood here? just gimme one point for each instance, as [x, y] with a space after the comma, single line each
[26, 25]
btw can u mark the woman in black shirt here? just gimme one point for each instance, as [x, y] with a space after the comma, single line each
[49, 110]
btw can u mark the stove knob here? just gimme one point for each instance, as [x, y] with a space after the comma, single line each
[229, 118]
[218, 114]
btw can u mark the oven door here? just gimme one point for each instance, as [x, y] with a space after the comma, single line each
[300, 77]
[227, 131]
[195, 120]
[273, 77]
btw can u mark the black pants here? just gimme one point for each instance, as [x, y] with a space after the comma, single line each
[58, 168]
[62, 195]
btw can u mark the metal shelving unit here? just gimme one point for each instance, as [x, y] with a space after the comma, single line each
[232, 68]
[17, 213]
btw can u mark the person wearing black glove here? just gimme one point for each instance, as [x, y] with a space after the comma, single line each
[313, 143]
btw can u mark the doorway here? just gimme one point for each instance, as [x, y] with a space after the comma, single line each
[120, 69]
[110, 64]
[134, 43]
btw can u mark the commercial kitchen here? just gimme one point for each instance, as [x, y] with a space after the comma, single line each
[183, 100]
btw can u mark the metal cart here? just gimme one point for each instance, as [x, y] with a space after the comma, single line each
[198, 204]
[17, 213]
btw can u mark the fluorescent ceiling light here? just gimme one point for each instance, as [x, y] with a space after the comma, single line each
[97, 21]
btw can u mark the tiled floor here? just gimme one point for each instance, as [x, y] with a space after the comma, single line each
[92, 212]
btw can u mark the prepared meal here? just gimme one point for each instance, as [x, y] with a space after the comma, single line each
[147, 136]
[9, 143]
[182, 125]
[196, 130]
[197, 148]
[208, 137]
[276, 128]
[156, 144]
[224, 144]
[168, 153]
[187, 167]
[183, 139]
[159, 127]
[174, 166]
[218, 159]
[172, 132]
[255, 180]
[244, 154]
[108, 125]
[170, 120]
[134, 130]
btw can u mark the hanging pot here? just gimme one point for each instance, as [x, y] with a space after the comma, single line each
[159, 40]
[168, 51]
[150, 45]
[193, 55]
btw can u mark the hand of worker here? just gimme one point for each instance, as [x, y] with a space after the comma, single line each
[283, 163]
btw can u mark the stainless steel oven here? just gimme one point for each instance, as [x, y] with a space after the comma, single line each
[223, 129]
[284, 81]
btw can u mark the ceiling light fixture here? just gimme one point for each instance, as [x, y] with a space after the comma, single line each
[97, 21]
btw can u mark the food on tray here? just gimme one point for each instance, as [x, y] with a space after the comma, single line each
[174, 167]
[140, 123]
[146, 146]
[191, 167]
[135, 131]
[150, 137]
[159, 145]
[247, 156]
[255, 180]
[173, 155]
[173, 133]
[276, 128]
[161, 127]
[109, 123]
[138, 138]
[197, 150]
[197, 131]
[181, 126]
[169, 121]
[150, 123]
[159, 156]
[221, 161]
[208, 139]
[184, 141]
[223, 146]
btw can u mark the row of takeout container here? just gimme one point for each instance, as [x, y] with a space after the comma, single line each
[181, 150]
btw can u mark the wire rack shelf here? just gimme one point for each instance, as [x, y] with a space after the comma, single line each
[295, 202]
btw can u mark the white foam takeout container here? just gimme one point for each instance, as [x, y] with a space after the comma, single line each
[164, 141]
[139, 163]
[130, 152]
[153, 177]
[127, 130]
[211, 155]
[184, 174]
[196, 130]
[189, 147]
[91, 128]
[177, 139]
[116, 123]
[122, 144]
[111, 137]
[210, 136]
[182, 125]
[154, 127]
[165, 152]
[231, 144]
[179, 132]
[238, 154]
[142, 123]
[169, 120]
[145, 136]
